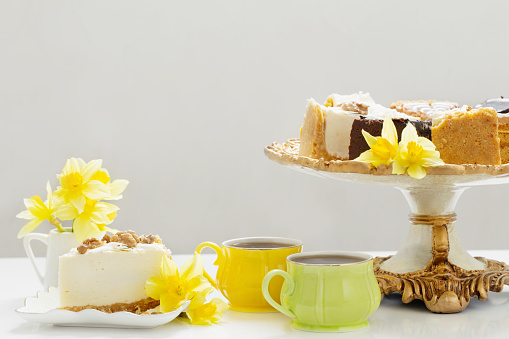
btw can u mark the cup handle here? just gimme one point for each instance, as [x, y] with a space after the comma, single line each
[28, 249]
[219, 253]
[289, 289]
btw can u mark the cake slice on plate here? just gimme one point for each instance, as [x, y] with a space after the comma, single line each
[109, 275]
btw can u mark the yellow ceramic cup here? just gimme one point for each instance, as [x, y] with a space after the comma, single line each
[243, 263]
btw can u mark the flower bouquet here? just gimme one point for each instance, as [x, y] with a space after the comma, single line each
[84, 188]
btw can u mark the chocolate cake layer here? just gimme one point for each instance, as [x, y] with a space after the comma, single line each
[374, 127]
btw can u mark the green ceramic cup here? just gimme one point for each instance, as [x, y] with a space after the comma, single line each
[327, 291]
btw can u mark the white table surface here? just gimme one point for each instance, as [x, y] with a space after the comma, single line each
[487, 319]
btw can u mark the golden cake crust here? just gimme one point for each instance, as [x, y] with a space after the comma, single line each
[312, 134]
[137, 307]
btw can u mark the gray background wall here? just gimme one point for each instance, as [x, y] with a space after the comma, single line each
[181, 98]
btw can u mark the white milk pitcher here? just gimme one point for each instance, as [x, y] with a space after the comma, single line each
[58, 244]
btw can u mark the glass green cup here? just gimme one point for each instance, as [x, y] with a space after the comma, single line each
[327, 291]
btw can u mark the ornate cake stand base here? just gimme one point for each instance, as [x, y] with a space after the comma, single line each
[444, 289]
[443, 286]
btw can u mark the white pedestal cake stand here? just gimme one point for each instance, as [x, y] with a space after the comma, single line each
[432, 266]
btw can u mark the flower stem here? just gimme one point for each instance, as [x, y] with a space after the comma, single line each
[55, 222]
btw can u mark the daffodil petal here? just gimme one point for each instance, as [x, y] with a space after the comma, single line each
[34, 204]
[66, 212]
[83, 228]
[169, 302]
[220, 304]
[397, 168]
[26, 214]
[90, 169]
[370, 140]
[426, 144]
[81, 163]
[49, 195]
[198, 284]
[95, 190]
[368, 156]
[416, 171]
[29, 227]
[168, 268]
[431, 158]
[100, 218]
[117, 186]
[192, 267]
[71, 166]
[389, 131]
[409, 134]
[198, 300]
[106, 207]
[154, 287]
[79, 202]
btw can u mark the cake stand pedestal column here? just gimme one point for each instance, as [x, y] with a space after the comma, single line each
[432, 266]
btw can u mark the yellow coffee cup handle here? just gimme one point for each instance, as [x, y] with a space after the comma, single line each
[219, 253]
[290, 285]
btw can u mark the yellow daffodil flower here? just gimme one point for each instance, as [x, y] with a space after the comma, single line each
[37, 211]
[91, 221]
[116, 187]
[77, 184]
[202, 313]
[173, 288]
[383, 149]
[414, 154]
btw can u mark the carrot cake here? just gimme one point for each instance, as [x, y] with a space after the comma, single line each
[110, 274]
[467, 136]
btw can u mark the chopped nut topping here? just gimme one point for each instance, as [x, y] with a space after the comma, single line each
[133, 233]
[93, 243]
[128, 238]
[89, 243]
[150, 239]
[82, 249]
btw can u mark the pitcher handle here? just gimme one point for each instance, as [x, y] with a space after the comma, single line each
[289, 290]
[28, 249]
[219, 253]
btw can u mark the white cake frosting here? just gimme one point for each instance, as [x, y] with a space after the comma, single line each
[109, 274]
[438, 117]
[377, 111]
[361, 97]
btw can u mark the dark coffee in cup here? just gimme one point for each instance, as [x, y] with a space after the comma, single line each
[260, 245]
[327, 260]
